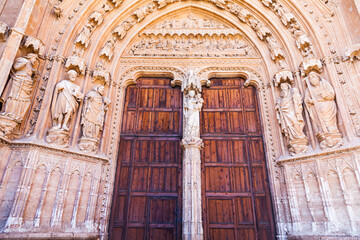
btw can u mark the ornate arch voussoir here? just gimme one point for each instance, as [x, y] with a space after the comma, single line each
[131, 75]
[251, 76]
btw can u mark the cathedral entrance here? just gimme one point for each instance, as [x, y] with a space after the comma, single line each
[147, 193]
[236, 196]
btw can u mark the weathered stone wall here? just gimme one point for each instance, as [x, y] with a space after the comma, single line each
[48, 181]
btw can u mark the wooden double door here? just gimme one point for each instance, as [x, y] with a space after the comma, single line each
[147, 202]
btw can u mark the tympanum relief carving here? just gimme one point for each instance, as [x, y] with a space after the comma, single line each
[92, 119]
[191, 37]
[66, 99]
[320, 103]
[19, 93]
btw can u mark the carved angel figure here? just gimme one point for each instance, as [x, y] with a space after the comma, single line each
[19, 92]
[66, 99]
[289, 113]
[320, 102]
[192, 107]
[92, 118]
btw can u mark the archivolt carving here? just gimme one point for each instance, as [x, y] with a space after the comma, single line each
[130, 76]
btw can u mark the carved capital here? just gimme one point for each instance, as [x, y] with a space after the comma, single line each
[192, 143]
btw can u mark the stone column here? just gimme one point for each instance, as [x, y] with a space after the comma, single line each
[192, 144]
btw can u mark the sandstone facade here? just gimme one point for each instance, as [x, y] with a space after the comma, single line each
[58, 182]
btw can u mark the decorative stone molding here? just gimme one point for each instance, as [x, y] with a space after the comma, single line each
[261, 30]
[130, 75]
[4, 31]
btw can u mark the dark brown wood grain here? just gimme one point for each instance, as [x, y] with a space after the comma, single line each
[147, 194]
[236, 196]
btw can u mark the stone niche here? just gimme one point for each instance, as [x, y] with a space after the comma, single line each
[191, 36]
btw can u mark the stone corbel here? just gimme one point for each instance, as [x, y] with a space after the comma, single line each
[75, 63]
[101, 75]
[34, 44]
[352, 53]
[130, 75]
[4, 31]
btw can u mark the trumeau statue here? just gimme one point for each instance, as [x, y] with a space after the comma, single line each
[320, 102]
[92, 118]
[289, 113]
[192, 107]
[66, 99]
[19, 93]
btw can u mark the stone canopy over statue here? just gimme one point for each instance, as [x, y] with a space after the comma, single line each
[289, 113]
[92, 119]
[66, 99]
[320, 103]
[21, 86]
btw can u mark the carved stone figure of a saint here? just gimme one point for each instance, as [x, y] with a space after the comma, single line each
[20, 91]
[289, 113]
[192, 107]
[320, 102]
[66, 99]
[92, 118]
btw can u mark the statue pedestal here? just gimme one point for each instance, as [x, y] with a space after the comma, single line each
[58, 137]
[89, 144]
[330, 140]
[298, 146]
[7, 125]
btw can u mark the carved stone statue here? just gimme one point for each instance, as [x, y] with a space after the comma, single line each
[192, 107]
[66, 99]
[320, 102]
[92, 119]
[289, 113]
[163, 3]
[19, 93]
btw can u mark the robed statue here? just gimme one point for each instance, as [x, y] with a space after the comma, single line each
[92, 118]
[20, 89]
[66, 99]
[320, 103]
[289, 113]
[192, 107]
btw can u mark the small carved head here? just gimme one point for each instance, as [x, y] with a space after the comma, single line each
[285, 89]
[72, 74]
[314, 79]
[100, 89]
[32, 57]
[192, 93]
